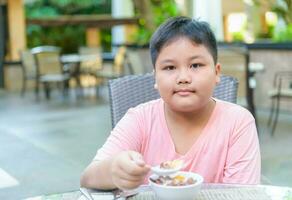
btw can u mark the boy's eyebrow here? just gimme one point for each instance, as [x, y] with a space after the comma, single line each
[196, 56]
[171, 60]
[166, 61]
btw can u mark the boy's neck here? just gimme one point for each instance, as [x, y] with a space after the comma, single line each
[198, 117]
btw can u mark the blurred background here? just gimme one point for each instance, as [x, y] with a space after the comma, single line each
[52, 122]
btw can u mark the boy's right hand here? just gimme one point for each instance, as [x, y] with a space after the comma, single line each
[128, 170]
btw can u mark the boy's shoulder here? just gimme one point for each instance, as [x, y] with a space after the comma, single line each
[153, 105]
[149, 104]
[150, 110]
[233, 109]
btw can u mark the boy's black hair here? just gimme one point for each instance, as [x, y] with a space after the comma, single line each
[197, 31]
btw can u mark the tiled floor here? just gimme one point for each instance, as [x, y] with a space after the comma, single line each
[45, 146]
[277, 151]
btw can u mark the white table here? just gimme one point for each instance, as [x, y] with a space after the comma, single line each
[208, 192]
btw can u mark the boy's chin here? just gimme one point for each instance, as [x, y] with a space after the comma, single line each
[186, 108]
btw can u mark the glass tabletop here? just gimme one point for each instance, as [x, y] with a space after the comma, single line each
[207, 192]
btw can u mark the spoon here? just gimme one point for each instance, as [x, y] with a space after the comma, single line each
[85, 193]
[177, 166]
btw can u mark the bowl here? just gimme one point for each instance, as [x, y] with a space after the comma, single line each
[186, 192]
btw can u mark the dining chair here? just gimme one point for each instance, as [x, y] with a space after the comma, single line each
[49, 69]
[282, 89]
[116, 69]
[135, 61]
[131, 90]
[28, 66]
[94, 61]
[90, 64]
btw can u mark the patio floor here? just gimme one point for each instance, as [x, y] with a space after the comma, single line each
[46, 145]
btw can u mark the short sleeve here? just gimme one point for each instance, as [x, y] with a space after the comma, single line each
[126, 135]
[243, 161]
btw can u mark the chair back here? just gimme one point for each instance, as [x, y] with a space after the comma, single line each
[47, 59]
[93, 61]
[28, 64]
[134, 61]
[132, 90]
[226, 90]
[119, 60]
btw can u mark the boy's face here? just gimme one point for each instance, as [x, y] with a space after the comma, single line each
[186, 75]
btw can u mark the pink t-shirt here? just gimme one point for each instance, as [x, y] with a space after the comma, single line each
[227, 151]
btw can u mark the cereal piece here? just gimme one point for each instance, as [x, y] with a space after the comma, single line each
[178, 180]
[171, 164]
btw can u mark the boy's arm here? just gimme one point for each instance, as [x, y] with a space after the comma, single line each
[126, 136]
[125, 170]
[98, 175]
[243, 163]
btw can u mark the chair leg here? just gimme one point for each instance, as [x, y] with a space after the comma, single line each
[276, 116]
[97, 85]
[47, 90]
[37, 90]
[79, 86]
[59, 85]
[66, 88]
[23, 89]
[272, 110]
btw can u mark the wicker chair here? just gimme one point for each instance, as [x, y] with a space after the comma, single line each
[129, 91]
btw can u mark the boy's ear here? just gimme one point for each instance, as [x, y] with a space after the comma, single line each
[218, 72]
[155, 85]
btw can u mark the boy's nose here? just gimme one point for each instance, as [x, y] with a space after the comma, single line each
[184, 77]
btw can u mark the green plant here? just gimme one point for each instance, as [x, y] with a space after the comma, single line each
[69, 38]
[284, 34]
[283, 9]
[238, 36]
[152, 13]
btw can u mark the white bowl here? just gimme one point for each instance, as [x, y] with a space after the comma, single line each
[187, 192]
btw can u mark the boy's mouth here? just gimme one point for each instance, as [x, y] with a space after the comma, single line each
[184, 92]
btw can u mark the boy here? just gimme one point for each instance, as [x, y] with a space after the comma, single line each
[213, 138]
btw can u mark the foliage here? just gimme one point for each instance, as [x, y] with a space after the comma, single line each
[160, 10]
[163, 10]
[268, 34]
[238, 36]
[283, 8]
[69, 38]
[284, 34]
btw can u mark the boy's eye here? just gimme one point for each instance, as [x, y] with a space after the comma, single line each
[169, 68]
[195, 65]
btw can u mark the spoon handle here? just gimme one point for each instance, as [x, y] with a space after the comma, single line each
[85, 193]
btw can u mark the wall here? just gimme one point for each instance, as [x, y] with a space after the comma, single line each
[273, 61]
[233, 63]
